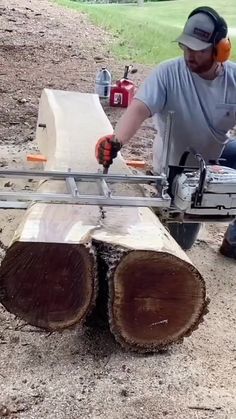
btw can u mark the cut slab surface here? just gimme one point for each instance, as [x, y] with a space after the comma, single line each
[156, 299]
[48, 284]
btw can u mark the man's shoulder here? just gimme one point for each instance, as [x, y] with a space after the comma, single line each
[230, 69]
[230, 66]
[170, 70]
[174, 64]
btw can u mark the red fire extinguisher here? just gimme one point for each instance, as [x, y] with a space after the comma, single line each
[123, 91]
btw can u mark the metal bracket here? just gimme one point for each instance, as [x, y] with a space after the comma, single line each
[167, 142]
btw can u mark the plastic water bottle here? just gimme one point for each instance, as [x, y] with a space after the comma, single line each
[103, 83]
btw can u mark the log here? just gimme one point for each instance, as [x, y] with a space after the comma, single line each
[49, 285]
[156, 295]
[62, 254]
[49, 274]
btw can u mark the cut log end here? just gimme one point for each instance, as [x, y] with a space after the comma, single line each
[156, 299]
[49, 285]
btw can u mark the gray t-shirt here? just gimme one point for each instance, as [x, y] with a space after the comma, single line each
[204, 110]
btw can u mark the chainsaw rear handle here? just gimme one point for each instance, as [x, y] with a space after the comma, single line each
[202, 180]
[203, 173]
[183, 159]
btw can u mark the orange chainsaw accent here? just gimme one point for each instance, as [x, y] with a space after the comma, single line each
[136, 163]
[36, 158]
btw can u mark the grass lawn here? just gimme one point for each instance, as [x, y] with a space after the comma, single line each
[145, 34]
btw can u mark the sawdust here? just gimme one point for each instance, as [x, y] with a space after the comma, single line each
[85, 374]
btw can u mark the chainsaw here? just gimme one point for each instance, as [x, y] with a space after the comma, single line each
[206, 193]
[200, 193]
[180, 193]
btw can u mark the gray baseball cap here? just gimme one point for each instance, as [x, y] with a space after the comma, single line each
[198, 33]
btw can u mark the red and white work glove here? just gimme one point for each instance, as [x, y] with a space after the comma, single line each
[106, 150]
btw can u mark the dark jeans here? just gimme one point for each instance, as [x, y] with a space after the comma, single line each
[186, 233]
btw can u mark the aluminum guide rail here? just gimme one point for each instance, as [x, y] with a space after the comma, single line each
[22, 199]
[85, 177]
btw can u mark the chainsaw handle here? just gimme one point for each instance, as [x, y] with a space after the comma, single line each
[203, 173]
[183, 158]
[202, 180]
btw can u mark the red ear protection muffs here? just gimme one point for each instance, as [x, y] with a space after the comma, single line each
[219, 39]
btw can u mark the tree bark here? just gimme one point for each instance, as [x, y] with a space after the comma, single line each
[155, 296]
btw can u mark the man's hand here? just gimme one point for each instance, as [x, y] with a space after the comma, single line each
[106, 150]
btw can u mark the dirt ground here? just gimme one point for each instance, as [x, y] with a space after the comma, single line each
[84, 373]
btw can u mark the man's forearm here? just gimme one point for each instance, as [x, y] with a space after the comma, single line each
[131, 121]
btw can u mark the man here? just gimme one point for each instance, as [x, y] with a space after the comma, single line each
[200, 88]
